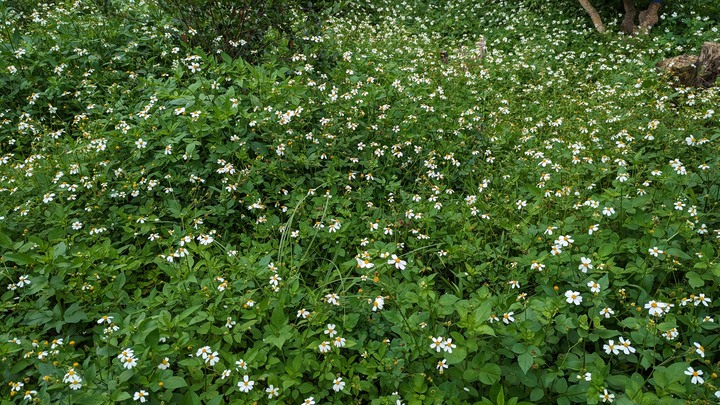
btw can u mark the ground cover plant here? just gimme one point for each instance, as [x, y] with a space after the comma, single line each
[394, 203]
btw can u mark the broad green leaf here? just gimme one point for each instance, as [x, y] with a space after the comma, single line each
[75, 314]
[22, 259]
[525, 361]
[489, 374]
[174, 382]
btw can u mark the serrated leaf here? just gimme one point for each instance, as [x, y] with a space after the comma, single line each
[489, 374]
[21, 259]
[5, 240]
[174, 382]
[75, 314]
[536, 394]
[694, 279]
[484, 330]
[677, 253]
[458, 354]
[525, 361]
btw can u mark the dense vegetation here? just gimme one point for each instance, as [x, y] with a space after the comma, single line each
[373, 202]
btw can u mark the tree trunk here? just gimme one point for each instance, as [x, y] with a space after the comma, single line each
[628, 24]
[708, 65]
[649, 17]
[594, 16]
[693, 70]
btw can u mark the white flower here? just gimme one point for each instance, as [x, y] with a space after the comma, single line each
[520, 204]
[564, 240]
[140, 144]
[364, 263]
[25, 280]
[701, 299]
[594, 287]
[205, 239]
[399, 264]
[212, 359]
[378, 303]
[125, 354]
[671, 334]
[330, 330]
[71, 377]
[442, 365]
[656, 308]
[332, 299]
[585, 264]
[626, 348]
[556, 250]
[324, 347]
[309, 401]
[203, 352]
[338, 384]
[448, 346]
[699, 349]
[606, 396]
[610, 347]
[77, 225]
[696, 379]
[130, 362]
[655, 251]
[437, 343]
[164, 364]
[508, 317]
[245, 385]
[608, 211]
[240, 364]
[141, 396]
[339, 342]
[272, 391]
[607, 312]
[573, 297]
[303, 313]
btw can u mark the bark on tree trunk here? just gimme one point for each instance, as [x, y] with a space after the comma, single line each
[649, 18]
[693, 70]
[708, 66]
[594, 16]
[628, 23]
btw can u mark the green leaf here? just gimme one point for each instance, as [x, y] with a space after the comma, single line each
[606, 249]
[190, 398]
[121, 396]
[677, 253]
[278, 318]
[500, 400]
[174, 382]
[525, 361]
[59, 249]
[489, 374]
[5, 240]
[75, 314]
[457, 355]
[482, 312]
[22, 259]
[536, 394]
[694, 279]
[484, 330]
